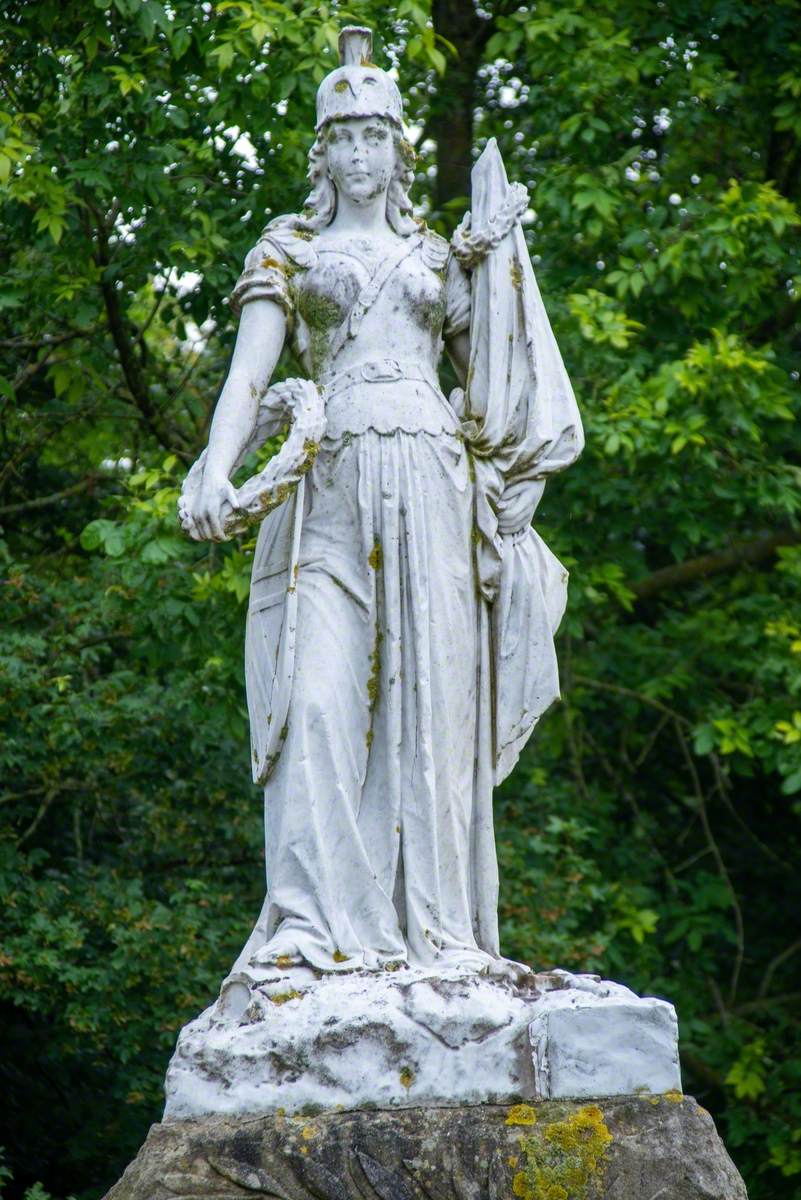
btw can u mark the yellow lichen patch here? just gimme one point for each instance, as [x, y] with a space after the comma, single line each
[375, 669]
[513, 1160]
[516, 272]
[521, 1187]
[563, 1158]
[311, 449]
[673, 1097]
[407, 152]
[407, 1077]
[376, 556]
[282, 997]
[521, 1114]
[395, 965]
[272, 262]
[283, 961]
[338, 956]
[341, 85]
[309, 1132]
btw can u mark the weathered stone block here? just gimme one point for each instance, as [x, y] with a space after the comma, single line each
[643, 1148]
[603, 1041]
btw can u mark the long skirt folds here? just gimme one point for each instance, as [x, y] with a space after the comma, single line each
[370, 803]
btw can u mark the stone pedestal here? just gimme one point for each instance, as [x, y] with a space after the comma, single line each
[420, 1086]
[417, 1038]
[649, 1148]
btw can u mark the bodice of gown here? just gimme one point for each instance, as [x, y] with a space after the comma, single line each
[383, 374]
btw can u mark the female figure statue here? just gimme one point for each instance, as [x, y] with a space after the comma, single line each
[402, 611]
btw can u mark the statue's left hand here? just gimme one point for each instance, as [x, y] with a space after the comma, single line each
[518, 504]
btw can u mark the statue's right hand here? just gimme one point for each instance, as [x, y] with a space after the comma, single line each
[204, 517]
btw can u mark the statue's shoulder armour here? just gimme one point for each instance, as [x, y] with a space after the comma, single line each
[290, 235]
[434, 250]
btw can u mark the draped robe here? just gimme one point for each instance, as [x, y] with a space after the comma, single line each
[399, 647]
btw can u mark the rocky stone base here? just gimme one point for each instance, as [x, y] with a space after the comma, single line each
[633, 1148]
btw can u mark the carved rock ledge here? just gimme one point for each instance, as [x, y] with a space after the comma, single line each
[636, 1148]
[419, 1038]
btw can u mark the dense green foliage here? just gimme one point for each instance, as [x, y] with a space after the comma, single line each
[651, 831]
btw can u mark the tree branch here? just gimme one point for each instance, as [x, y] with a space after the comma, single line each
[752, 552]
[773, 965]
[166, 435]
[7, 510]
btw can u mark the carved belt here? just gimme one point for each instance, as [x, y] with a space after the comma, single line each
[379, 370]
[352, 407]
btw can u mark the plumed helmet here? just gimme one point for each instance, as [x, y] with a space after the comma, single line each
[357, 88]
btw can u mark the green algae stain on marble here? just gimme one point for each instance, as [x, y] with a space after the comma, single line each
[562, 1159]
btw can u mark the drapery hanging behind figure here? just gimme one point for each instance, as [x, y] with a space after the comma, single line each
[522, 423]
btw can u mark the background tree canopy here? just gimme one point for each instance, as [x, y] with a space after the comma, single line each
[651, 831]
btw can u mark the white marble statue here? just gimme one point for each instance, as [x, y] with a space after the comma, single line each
[399, 650]
[402, 609]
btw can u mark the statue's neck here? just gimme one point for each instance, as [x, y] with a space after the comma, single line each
[368, 218]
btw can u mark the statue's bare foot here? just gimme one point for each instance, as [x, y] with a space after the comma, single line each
[276, 968]
[279, 954]
[280, 967]
[508, 969]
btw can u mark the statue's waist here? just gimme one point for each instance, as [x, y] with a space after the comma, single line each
[386, 395]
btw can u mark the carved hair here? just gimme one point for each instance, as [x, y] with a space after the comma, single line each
[321, 203]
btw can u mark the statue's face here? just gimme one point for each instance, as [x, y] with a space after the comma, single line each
[361, 157]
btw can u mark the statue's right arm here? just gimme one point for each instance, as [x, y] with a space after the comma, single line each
[259, 341]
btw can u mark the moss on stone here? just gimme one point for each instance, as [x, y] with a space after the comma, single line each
[407, 1077]
[521, 1114]
[283, 997]
[564, 1157]
[321, 315]
[318, 311]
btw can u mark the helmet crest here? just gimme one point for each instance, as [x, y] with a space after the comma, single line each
[357, 88]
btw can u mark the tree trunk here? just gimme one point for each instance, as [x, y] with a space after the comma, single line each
[450, 123]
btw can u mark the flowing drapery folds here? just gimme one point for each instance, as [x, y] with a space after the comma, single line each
[522, 425]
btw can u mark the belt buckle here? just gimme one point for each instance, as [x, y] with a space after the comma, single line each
[388, 369]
